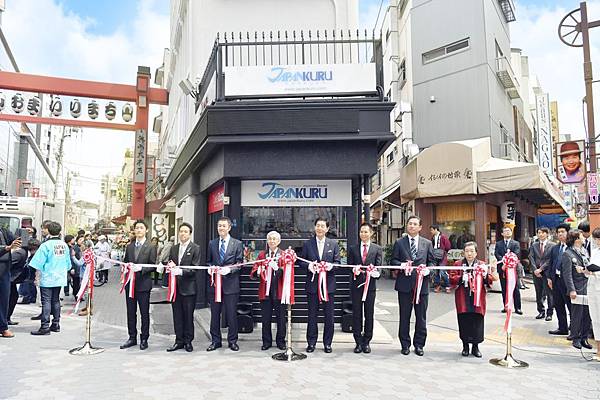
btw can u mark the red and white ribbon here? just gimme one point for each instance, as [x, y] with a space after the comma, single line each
[267, 275]
[287, 291]
[420, 274]
[172, 283]
[370, 269]
[88, 277]
[321, 269]
[216, 281]
[476, 283]
[510, 262]
[128, 277]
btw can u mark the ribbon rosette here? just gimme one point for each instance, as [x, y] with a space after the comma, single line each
[288, 258]
[128, 276]
[217, 282]
[476, 283]
[172, 285]
[88, 277]
[420, 274]
[509, 266]
[370, 269]
[321, 269]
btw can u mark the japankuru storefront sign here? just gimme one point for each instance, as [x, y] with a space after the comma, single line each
[294, 80]
[296, 193]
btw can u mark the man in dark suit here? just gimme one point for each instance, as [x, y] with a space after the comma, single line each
[139, 251]
[365, 253]
[320, 248]
[539, 257]
[419, 250]
[556, 283]
[501, 248]
[7, 244]
[223, 252]
[584, 227]
[185, 252]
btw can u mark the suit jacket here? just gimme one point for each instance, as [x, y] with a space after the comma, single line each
[374, 256]
[555, 262]
[147, 255]
[500, 251]
[401, 253]
[574, 281]
[6, 238]
[331, 254]
[276, 279]
[234, 254]
[186, 283]
[539, 260]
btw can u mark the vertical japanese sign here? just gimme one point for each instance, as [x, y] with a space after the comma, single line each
[544, 133]
[139, 163]
[592, 187]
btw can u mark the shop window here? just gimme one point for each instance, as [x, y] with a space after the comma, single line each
[389, 158]
[457, 221]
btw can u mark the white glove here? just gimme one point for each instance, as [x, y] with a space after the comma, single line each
[426, 271]
[375, 274]
[136, 268]
[160, 268]
[274, 265]
[356, 270]
[224, 270]
[465, 278]
[485, 273]
[177, 271]
[329, 267]
[312, 267]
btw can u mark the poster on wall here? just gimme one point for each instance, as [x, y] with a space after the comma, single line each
[160, 227]
[297, 193]
[570, 161]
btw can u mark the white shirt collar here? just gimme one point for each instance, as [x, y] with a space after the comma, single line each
[185, 244]
[225, 239]
[321, 240]
[141, 242]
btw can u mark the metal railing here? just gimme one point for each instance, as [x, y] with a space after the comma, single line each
[290, 48]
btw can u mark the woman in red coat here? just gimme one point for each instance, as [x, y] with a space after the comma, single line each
[269, 291]
[470, 298]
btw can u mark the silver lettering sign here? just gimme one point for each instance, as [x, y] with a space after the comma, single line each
[544, 133]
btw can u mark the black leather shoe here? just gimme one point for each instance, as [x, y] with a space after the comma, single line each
[234, 347]
[519, 312]
[548, 318]
[188, 347]
[175, 347]
[465, 350]
[143, 344]
[265, 347]
[586, 344]
[37, 317]
[570, 337]
[540, 315]
[282, 347]
[475, 351]
[310, 348]
[41, 332]
[503, 311]
[558, 332]
[11, 323]
[366, 348]
[55, 328]
[405, 351]
[577, 344]
[213, 347]
[129, 343]
[327, 349]
[358, 349]
[419, 351]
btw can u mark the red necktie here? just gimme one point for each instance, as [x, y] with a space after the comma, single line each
[364, 253]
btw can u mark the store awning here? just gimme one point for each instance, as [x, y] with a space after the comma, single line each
[387, 193]
[467, 167]
[120, 220]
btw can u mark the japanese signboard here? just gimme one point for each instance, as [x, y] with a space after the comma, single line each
[139, 173]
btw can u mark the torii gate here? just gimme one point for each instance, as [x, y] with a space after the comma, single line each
[141, 94]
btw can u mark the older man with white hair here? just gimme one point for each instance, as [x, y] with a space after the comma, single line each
[269, 291]
[103, 249]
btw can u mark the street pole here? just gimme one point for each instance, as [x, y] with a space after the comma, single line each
[588, 78]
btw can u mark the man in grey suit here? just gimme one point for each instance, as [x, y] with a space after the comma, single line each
[225, 251]
[539, 258]
[419, 250]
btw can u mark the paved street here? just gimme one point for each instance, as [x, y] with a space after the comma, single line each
[40, 367]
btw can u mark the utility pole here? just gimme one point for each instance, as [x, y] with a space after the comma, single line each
[59, 160]
[68, 211]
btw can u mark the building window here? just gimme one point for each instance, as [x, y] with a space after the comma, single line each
[390, 157]
[446, 50]
[402, 73]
